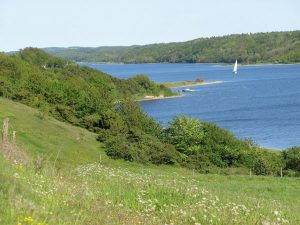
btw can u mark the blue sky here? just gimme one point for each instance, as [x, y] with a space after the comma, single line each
[63, 23]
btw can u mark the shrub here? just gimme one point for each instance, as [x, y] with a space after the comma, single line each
[290, 173]
[198, 162]
[140, 147]
[292, 159]
[261, 167]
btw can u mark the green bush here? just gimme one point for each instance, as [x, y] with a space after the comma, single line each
[139, 147]
[292, 158]
[198, 162]
[261, 167]
[290, 173]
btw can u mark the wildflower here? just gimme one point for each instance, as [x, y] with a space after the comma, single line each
[16, 175]
[28, 219]
[276, 213]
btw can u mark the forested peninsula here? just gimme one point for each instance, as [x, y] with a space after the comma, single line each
[273, 47]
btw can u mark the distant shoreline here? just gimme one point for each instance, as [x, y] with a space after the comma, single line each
[189, 83]
[212, 63]
[151, 97]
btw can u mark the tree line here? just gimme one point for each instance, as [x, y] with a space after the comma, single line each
[274, 47]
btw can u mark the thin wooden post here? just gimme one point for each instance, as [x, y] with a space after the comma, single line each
[14, 137]
[5, 130]
[281, 175]
[250, 173]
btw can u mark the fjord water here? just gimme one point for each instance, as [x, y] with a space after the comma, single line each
[260, 102]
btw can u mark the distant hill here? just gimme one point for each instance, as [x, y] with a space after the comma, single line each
[274, 47]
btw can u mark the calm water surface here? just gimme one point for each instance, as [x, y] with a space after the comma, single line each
[261, 102]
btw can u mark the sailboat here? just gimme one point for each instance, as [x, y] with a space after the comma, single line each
[235, 67]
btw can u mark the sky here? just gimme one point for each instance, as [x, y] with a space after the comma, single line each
[91, 23]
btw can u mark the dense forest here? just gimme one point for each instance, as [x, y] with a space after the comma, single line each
[274, 47]
[105, 105]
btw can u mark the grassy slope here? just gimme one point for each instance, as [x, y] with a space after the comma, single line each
[116, 192]
[41, 135]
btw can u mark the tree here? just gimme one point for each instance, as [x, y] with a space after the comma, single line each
[185, 134]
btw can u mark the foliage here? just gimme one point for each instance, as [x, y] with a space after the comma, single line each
[140, 147]
[199, 162]
[106, 105]
[261, 167]
[140, 86]
[192, 136]
[185, 134]
[206, 146]
[136, 137]
[274, 47]
[267, 162]
[292, 159]
[90, 99]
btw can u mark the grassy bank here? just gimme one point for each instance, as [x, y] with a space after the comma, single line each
[78, 184]
[41, 135]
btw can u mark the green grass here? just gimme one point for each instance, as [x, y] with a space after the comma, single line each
[41, 135]
[79, 188]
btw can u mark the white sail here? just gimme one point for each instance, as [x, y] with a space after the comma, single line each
[235, 67]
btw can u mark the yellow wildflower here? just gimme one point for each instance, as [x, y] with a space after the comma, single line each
[28, 219]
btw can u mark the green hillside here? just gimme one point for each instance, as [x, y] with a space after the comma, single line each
[85, 153]
[43, 136]
[107, 106]
[74, 185]
[274, 47]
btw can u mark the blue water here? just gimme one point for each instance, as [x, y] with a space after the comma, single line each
[261, 102]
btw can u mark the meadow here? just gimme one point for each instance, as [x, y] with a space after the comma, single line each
[68, 179]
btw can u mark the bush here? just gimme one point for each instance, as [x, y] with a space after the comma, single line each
[198, 162]
[261, 167]
[292, 159]
[140, 147]
[206, 145]
[290, 173]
